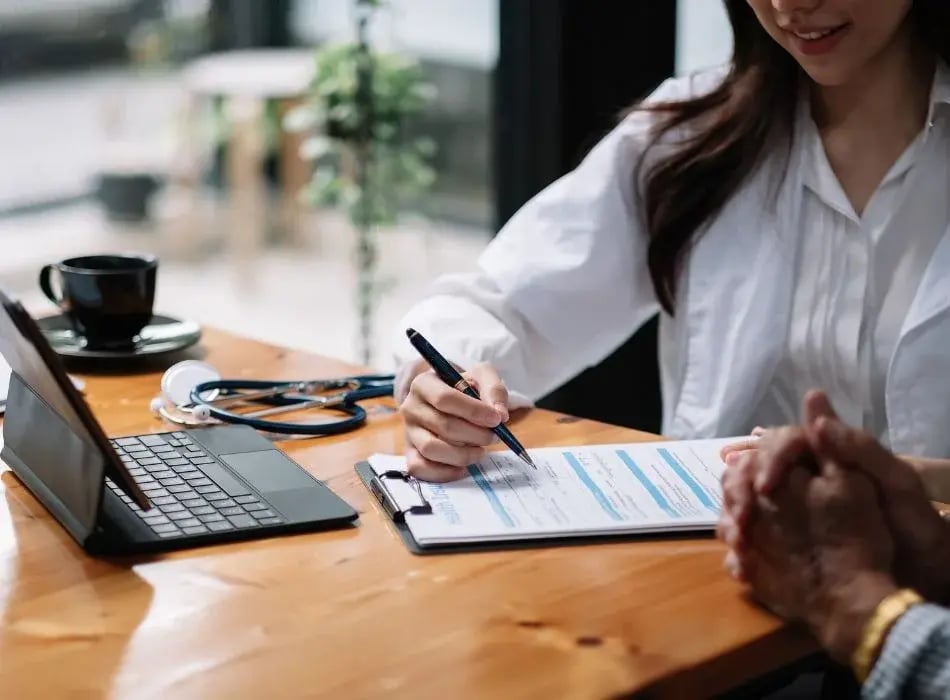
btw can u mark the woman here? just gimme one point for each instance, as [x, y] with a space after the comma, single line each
[788, 217]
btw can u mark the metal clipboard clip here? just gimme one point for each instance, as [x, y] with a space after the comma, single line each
[389, 504]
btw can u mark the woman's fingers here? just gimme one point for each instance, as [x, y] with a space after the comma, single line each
[427, 388]
[427, 470]
[451, 429]
[436, 450]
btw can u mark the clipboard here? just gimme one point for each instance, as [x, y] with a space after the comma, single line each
[395, 513]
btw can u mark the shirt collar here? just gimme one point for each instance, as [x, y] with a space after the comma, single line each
[941, 89]
[940, 92]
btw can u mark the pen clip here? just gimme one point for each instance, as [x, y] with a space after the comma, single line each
[389, 504]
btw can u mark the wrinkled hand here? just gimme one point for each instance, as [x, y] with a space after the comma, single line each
[446, 430]
[922, 537]
[819, 551]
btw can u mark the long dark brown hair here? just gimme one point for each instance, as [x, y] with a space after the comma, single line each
[749, 114]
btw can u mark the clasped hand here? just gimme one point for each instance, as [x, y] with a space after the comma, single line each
[822, 523]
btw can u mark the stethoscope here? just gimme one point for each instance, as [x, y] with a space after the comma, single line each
[194, 395]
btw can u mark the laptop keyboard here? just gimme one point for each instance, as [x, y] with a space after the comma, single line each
[190, 492]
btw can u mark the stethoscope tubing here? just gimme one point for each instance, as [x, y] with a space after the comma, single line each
[278, 395]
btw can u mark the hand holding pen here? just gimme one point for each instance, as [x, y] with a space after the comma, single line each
[447, 428]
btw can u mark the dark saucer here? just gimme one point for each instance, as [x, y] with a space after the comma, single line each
[161, 336]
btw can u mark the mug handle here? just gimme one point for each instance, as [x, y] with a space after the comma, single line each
[46, 285]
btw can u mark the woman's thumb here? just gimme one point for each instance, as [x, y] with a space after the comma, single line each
[492, 389]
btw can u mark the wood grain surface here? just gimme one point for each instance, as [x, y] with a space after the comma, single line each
[351, 613]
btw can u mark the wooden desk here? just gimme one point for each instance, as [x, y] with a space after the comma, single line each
[351, 613]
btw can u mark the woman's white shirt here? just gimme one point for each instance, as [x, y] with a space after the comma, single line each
[857, 276]
[566, 282]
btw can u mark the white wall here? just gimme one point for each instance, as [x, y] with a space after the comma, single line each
[703, 35]
[451, 31]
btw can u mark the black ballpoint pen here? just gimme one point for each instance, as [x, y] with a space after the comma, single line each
[448, 374]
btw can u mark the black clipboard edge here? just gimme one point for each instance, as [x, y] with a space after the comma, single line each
[366, 475]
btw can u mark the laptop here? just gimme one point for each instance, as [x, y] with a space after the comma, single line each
[150, 492]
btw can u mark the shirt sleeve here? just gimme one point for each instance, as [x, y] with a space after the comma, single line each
[563, 284]
[915, 661]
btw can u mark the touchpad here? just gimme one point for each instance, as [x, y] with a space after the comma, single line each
[269, 470]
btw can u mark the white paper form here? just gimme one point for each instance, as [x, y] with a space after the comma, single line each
[603, 489]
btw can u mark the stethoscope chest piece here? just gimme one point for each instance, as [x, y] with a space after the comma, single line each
[181, 378]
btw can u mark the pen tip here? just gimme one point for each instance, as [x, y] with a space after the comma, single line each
[411, 332]
[527, 459]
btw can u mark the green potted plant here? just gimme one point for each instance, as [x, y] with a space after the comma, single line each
[366, 157]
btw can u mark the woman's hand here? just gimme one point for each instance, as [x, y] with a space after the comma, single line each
[446, 430]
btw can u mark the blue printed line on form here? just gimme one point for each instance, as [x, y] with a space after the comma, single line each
[647, 484]
[490, 494]
[589, 483]
[688, 478]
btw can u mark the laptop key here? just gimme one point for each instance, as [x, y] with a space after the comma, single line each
[177, 462]
[220, 526]
[200, 480]
[211, 518]
[270, 521]
[179, 489]
[202, 510]
[206, 488]
[179, 435]
[156, 493]
[165, 527]
[168, 535]
[218, 496]
[172, 508]
[171, 481]
[166, 474]
[147, 482]
[190, 522]
[242, 521]
[246, 499]
[137, 471]
[163, 500]
[145, 461]
[152, 440]
[194, 502]
[264, 514]
[179, 515]
[200, 460]
[164, 447]
[157, 519]
[233, 510]
[195, 530]
[226, 503]
[127, 441]
[256, 505]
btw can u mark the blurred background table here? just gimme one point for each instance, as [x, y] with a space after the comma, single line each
[255, 88]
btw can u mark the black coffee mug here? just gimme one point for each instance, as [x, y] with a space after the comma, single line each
[108, 299]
